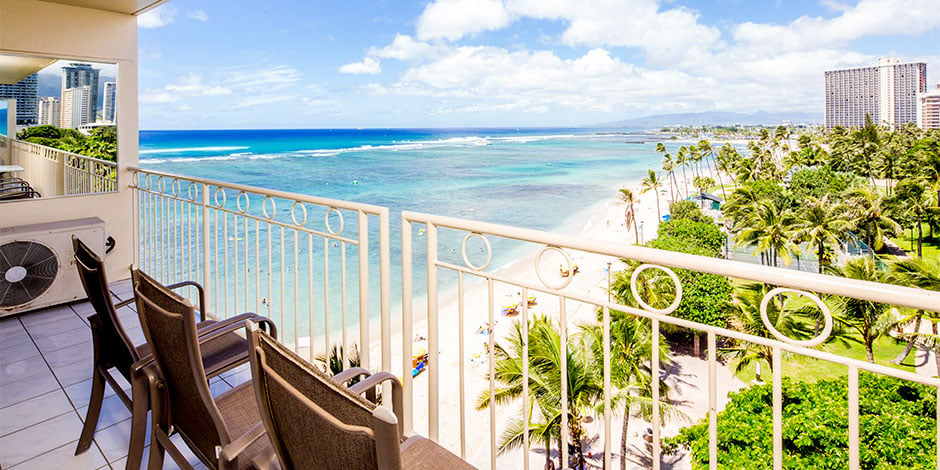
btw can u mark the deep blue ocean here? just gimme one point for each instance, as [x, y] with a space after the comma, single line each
[545, 179]
[482, 174]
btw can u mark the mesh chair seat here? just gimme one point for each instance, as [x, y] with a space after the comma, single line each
[218, 354]
[421, 453]
[239, 410]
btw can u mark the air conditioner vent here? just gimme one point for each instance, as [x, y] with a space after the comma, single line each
[27, 270]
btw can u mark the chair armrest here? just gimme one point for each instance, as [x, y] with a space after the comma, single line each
[231, 450]
[267, 459]
[349, 374]
[374, 380]
[199, 290]
[124, 302]
[268, 324]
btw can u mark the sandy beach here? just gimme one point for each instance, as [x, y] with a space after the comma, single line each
[605, 222]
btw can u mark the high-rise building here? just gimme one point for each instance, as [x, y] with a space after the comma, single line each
[886, 92]
[928, 109]
[79, 75]
[75, 106]
[50, 111]
[110, 95]
[25, 94]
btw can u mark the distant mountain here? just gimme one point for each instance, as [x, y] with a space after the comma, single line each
[714, 118]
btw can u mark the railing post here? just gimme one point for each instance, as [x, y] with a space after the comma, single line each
[60, 174]
[206, 277]
[363, 291]
[406, 331]
[433, 340]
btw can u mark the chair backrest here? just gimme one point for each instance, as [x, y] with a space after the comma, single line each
[114, 345]
[293, 398]
[169, 324]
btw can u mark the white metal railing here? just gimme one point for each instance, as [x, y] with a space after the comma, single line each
[55, 172]
[265, 251]
[285, 255]
[469, 265]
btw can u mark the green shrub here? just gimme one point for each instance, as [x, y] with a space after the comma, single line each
[897, 426]
[686, 210]
[705, 234]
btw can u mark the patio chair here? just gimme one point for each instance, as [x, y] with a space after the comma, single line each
[113, 348]
[313, 421]
[223, 432]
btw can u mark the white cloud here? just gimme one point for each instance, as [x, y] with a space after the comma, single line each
[368, 66]
[157, 17]
[182, 108]
[866, 18]
[261, 100]
[198, 15]
[404, 47]
[262, 78]
[453, 19]
[186, 86]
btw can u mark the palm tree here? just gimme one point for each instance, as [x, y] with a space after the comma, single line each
[768, 226]
[333, 363]
[822, 223]
[682, 158]
[629, 214]
[585, 386]
[652, 183]
[630, 349]
[669, 167]
[914, 198]
[702, 183]
[862, 316]
[921, 273]
[743, 312]
[871, 216]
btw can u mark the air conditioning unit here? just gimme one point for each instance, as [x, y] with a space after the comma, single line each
[37, 268]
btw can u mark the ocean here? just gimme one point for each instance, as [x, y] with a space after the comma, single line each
[544, 179]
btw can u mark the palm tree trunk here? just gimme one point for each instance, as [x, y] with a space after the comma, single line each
[910, 342]
[869, 351]
[623, 439]
[920, 238]
[659, 214]
[819, 257]
[685, 182]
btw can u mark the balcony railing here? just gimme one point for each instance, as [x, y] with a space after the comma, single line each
[257, 249]
[280, 254]
[55, 172]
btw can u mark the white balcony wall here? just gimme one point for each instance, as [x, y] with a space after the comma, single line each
[45, 29]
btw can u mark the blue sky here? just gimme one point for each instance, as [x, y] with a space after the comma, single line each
[312, 64]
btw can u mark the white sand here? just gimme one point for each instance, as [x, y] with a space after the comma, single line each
[605, 222]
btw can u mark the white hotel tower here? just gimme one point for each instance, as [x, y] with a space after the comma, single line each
[886, 92]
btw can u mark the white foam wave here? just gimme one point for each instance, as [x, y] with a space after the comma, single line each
[193, 149]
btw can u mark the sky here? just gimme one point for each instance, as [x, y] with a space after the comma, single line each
[229, 64]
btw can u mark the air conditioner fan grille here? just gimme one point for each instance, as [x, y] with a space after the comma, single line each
[27, 270]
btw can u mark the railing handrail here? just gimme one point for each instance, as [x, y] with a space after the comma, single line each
[337, 203]
[65, 152]
[878, 292]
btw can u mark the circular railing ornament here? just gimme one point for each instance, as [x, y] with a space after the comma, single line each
[148, 181]
[827, 329]
[566, 280]
[329, 226]
[136, 179]
[466, 259]
[264, 207]
[175, 187]
[191, 191]
[238, 202]
[293, 213]
[636, 294]
[161, 185]
[215, 196]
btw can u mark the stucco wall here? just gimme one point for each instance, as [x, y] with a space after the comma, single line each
[52, 30]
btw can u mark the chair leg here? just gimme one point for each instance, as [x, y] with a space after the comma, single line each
[94, 410]
[141, 401]
[156, 451]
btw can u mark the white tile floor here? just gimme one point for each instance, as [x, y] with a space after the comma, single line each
[45, 382]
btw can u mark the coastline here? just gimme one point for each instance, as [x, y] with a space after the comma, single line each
[603, 221]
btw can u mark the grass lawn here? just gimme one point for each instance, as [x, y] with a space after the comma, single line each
[930, 246]
[810, 370]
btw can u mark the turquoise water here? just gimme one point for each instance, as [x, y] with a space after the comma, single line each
[543, 179]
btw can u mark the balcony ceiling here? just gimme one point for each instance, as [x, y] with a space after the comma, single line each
[14, 68]
[128, 7]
